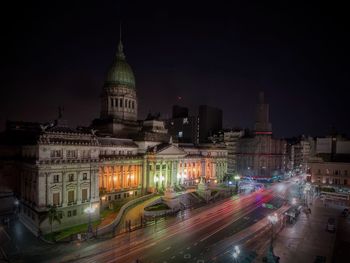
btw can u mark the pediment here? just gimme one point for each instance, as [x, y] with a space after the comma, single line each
[171, 150]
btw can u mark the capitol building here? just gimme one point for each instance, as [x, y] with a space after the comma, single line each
[118, 157]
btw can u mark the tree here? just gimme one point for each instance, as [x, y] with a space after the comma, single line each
[53, 216]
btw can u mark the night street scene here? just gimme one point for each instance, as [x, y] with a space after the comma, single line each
[174, 132]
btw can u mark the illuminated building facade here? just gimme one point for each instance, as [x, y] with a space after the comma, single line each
[117, 157]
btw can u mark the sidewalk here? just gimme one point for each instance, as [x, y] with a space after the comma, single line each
[134, 214]
[307, 240]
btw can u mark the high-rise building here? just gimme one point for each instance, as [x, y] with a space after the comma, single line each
[210, 122]
[231, 139]
[179, 112]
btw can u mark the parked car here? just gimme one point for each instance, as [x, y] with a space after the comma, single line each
[331, 224]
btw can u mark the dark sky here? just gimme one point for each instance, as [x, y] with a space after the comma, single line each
[58, 52]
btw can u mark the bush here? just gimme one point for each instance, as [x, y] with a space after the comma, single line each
[157, 207]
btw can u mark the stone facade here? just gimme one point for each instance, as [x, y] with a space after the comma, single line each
[323, 173]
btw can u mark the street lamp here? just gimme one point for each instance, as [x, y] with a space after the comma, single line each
[89, 210]
[236, 252]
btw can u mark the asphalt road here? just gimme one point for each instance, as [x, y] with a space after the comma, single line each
[203, 237]
[200, 235]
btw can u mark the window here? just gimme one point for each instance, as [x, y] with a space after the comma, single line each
[56, 178]
[84, 176]
[71, 196]
[133, 104]
[345, 172]
[109, 198]
[56, 154]
[71, 177]
[69, 213]
[129, 104]
[120, 102]
[135, 193]
[71, 154]
[84, 195]
[74, 212]
[56, 199]
[112, 102]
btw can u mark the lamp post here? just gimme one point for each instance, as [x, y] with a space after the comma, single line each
[273, 219]
[89, 210]
[16, 203]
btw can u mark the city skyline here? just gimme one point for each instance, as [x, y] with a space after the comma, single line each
[222, 61]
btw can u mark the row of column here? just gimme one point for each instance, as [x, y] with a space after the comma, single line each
[120, 177]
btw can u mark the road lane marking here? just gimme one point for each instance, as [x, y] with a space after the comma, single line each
[187, 256]
[165, 249]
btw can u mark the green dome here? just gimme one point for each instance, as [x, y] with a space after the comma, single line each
[120, 73]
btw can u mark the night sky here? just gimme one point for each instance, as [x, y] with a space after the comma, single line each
[58, 54]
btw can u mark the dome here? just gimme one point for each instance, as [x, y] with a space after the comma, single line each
[120, 73]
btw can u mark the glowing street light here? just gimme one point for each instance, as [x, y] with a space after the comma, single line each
[236, 252]
[273, 219]
[89, 210]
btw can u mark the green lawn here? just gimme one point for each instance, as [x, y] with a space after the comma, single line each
[60, 235]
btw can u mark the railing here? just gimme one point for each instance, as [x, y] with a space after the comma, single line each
[111, 227]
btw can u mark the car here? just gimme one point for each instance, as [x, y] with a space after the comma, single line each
[331, 224]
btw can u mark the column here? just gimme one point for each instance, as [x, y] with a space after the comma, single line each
[145, 175]
[139, 176]
[78, 188]
[213, 169]
[122, 176]
[203, 168]
[166, 175]
[64, 201]
[112, 177]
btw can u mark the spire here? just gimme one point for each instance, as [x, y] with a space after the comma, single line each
[120, 53]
